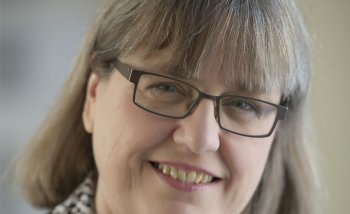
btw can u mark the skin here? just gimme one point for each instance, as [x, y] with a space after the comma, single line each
[126, 138]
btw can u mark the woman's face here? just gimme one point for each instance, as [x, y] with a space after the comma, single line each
[128, 140]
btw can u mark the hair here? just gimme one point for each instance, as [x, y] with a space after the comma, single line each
[263, 44]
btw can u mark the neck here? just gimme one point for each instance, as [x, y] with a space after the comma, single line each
[101, 205]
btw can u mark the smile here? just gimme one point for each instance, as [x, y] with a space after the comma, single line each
[191, 177]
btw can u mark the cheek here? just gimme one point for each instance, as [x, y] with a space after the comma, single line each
[246, 154]
[123, 132]
[246, 159]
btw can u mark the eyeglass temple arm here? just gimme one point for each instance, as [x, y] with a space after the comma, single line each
[282, 112]
[123, 69]
[285, 103]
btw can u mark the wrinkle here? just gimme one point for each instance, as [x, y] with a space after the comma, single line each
[113, 148]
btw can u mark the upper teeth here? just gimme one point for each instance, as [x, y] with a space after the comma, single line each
[180, 175]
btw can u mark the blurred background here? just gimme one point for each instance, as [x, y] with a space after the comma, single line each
[39, 41]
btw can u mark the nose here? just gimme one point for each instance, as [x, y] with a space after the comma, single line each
[199, 131]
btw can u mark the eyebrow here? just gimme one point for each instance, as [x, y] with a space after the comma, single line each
[235, 85]
[166, 69]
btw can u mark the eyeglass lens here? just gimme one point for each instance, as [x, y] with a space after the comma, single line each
[169, 97]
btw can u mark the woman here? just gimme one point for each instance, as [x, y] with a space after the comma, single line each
[181, 107]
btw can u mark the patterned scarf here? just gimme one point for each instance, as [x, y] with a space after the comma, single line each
[81, 201]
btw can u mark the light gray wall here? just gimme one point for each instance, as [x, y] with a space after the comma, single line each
[39, 39]
[330, 96]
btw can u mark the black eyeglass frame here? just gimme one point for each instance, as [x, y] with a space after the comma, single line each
[134, 76]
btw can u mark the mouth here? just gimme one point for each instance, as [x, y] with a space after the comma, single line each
[183, 175]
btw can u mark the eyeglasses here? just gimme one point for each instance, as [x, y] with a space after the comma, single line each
[170, 97]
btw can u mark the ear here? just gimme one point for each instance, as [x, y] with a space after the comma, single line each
[90, 103]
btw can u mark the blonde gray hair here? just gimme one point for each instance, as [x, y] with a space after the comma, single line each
[263, 44]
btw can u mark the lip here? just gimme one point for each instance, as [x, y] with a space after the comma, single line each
[184, 186]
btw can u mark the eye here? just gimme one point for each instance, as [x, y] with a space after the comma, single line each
[166, 87]
[241, 104]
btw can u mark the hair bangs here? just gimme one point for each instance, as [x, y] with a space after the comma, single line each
[257, 41]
